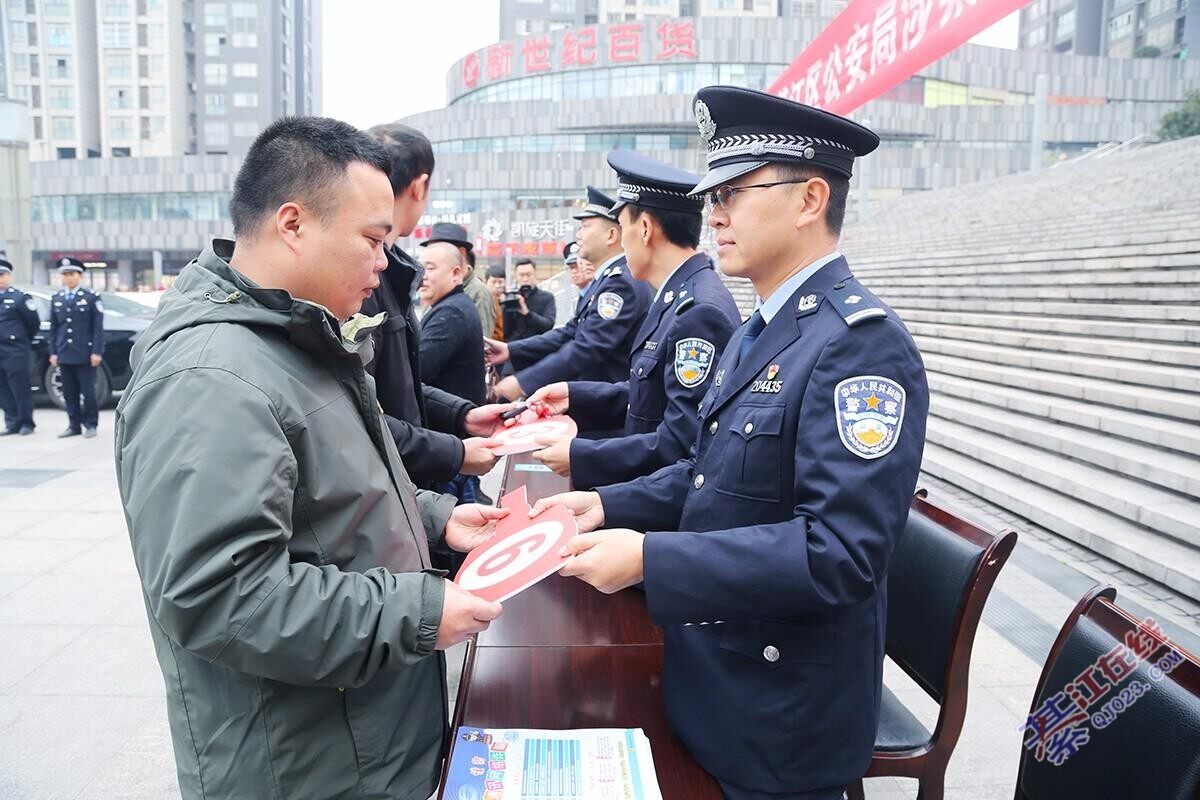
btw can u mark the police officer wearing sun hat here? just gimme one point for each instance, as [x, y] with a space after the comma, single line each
[777, 533]
[690, 320]
[77, 347]
[18, 325]
[595, 344]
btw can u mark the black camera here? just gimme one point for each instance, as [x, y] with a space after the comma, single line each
[509, 298]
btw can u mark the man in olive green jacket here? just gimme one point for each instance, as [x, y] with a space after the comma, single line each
[283, 550]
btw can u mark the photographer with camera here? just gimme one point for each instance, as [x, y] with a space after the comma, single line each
[527, 309]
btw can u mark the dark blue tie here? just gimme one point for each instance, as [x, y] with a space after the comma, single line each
[753, 329]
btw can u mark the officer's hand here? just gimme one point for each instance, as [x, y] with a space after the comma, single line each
[554, 396]
[524, 308]
[478, 458]
[485, 420]
[471, 525]
[463, 614]
[95, 359]
[494, 351]
[509, 388]
[54, 361]
[586, 506]
[609, 560]
[555, 454]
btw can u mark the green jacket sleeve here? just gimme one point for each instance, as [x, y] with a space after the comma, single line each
[210, 544]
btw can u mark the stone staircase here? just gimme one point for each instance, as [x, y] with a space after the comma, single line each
[1059, 317]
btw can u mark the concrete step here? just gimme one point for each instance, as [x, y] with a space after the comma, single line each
[1153, 353]
[1059, 273]
[1149, 295]
[1173, 472]
[1101, 393]
[922, 258]
[1172, 333]
[1181, 379]
[1157, 557]
[1168, 435]
[1165, 512]
[993, 244]
[1144, 312]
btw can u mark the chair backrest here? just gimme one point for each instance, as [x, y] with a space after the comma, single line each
[1127, 740]
[942, 571]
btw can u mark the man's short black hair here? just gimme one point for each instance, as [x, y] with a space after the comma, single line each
[298, 159]
[839, 190]
[682, 228]
[524, 261]
[410, 152]
[496, 271]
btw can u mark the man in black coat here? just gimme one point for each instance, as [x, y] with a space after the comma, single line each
[426, 423]
[451, 335]
[529, 310]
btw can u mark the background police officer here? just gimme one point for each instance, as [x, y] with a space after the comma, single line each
[18, 325]
[77, 347]
[690, 320]
[780, 529]
[595, 344]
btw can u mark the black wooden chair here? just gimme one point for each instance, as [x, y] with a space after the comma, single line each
[1151, 749]
[940, 577]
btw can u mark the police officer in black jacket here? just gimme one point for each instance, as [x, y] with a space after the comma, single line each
[18, 325]
[595, 345]
[765, 554]
[77, 347]
[438, 434]
[675, 351]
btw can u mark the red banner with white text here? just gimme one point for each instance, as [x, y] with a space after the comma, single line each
[876, 44]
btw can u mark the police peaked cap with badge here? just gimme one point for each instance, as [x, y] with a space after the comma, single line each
[5, 265]
[450, 232]
[598, 205]
[744, 130]
[68, 264]
[649, 183]
[571, 253]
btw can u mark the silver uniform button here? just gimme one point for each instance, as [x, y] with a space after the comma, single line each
[712, 429]
[771, 653]
[698, 482]
[749, 427]
[70, 330]
[70, 341]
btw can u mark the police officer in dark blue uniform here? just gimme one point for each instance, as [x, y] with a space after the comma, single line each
[77, 347]
[18, 325]
[690, 320]
[595, 344]
[768, 551]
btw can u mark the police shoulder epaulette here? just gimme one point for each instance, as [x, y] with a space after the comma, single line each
[614, 271]
[853, 304]
[684, 304]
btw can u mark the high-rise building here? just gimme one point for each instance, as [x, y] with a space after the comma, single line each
[1113, 28]
[52, 68]
[255, 61]
[158, 77]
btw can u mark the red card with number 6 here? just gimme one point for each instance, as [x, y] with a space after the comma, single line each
[522, 552]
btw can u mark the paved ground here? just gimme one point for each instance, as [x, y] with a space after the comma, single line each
[81, 697]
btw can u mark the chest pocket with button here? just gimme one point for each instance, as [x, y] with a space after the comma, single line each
[750, 463]
[646, 392]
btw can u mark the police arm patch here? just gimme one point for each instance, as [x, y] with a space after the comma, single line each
[99, 305]
[693, 361]
[32, 306]
[609, 304]
[870, 412]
